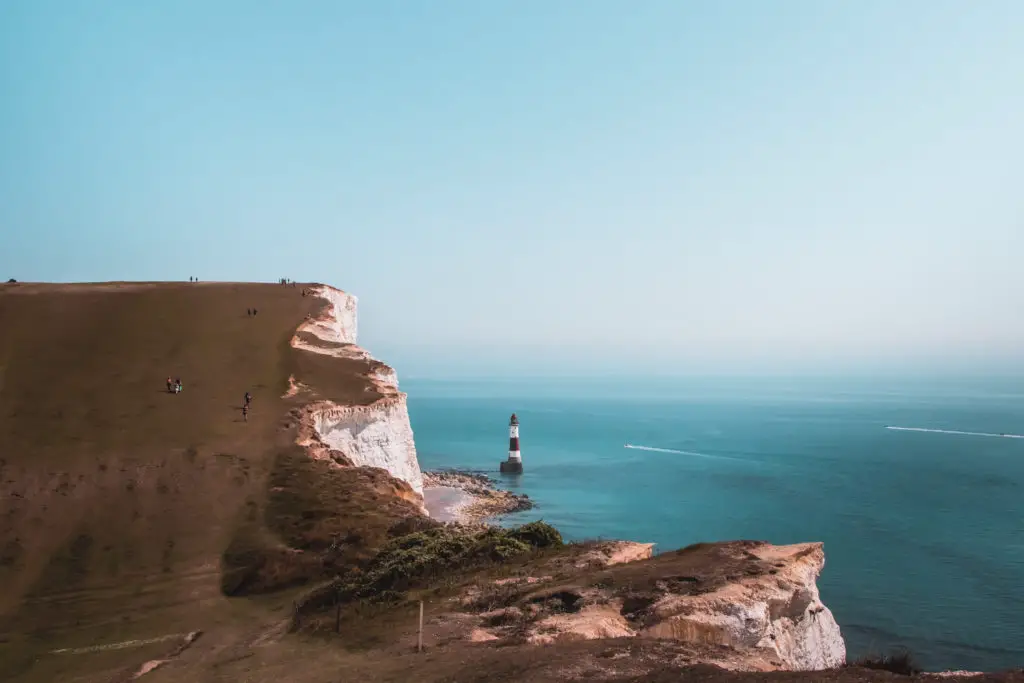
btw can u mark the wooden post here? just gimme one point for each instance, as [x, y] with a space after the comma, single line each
[419, 639]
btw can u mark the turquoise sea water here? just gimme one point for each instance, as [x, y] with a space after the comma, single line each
[923, 531]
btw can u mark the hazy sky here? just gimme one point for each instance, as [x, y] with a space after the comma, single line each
[550, 183]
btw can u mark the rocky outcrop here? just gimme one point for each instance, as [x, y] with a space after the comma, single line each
[756, 605]
[780, 613]
[609, 553]
[374, 435]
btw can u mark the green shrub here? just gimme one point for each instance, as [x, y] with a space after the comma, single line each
[422, 556]
[538, 535]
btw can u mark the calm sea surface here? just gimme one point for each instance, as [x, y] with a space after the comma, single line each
[923, 530]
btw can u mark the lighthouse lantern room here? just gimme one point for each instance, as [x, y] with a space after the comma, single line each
[514, 464]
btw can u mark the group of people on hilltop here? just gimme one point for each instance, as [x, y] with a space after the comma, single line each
[192, 278]
[174, 387]
[285, 281]
[250, 312]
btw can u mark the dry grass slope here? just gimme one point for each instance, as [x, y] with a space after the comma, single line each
[121, 499]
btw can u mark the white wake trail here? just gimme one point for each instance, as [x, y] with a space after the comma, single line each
[666, 450]
[655, 449]
[955, 431]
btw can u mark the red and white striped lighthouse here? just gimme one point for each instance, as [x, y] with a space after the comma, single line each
[514, 464]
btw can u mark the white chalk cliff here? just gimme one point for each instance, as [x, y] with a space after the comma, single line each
[779, 614]
[374, 435]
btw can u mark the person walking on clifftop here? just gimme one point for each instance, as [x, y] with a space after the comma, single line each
[245, 412]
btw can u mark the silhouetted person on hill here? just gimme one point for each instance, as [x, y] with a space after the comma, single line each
[245, 412]
[170, 386]
[254, 311]
[177, 386]
[248, 398]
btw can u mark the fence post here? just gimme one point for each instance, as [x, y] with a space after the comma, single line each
[419, 639]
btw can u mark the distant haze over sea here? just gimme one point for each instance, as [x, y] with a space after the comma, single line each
[441, 363]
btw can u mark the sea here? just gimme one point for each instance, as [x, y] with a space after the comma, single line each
[915, 486]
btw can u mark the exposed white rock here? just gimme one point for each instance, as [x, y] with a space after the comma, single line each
[377, 435]
[386, 376]
[479, 635]
[593, 621]
[338, 324]
[615, 552]
[780, 613]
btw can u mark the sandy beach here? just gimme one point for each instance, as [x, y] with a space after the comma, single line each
[468, 498]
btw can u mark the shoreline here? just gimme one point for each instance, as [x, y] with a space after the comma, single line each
[468, 498]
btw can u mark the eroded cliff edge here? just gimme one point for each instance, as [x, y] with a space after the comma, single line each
[378, 434]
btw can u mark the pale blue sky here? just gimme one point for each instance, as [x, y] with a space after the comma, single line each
[574, 184]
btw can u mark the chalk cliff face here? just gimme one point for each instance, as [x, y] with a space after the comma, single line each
[375, 435]
[339, 324]
[780, 614]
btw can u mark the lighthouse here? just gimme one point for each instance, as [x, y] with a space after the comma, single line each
[514, 464]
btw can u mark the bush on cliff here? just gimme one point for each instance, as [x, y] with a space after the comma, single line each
[423, 557]
[419, 557]
[538, 535]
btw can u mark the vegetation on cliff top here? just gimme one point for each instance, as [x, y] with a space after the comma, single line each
[420, 557]
[429, 556]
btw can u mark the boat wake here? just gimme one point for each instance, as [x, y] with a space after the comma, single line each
[954, 431]
[655, 449]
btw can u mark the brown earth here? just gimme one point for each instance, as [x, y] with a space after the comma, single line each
[129, 513]
[120, 499]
